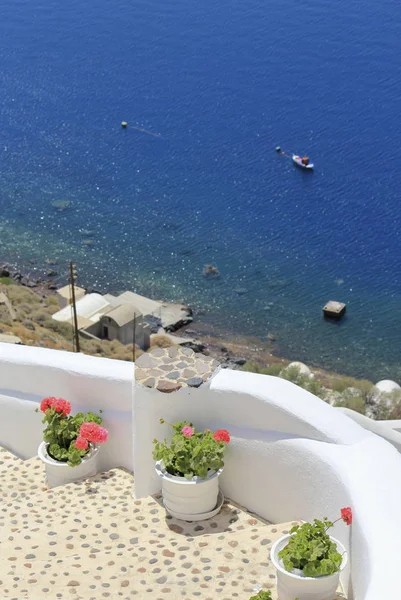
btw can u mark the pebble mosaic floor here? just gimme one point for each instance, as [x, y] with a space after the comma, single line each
[169, 369]
[91, 540]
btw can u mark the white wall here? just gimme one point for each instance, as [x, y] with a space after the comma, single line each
[28, 374]
[291, 457]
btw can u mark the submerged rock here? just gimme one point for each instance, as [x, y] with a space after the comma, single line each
[61, 205]
[211, 271]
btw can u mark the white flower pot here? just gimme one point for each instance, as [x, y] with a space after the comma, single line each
[189, 497]
[295, 585]
[59, 473]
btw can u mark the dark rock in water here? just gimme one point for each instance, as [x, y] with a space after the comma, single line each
[178, 324]
[154, 323]
[195, 346]
[91, 290]
[239, 361]
[52, 286]
[272, 337]
[28, 282]
[17, 276]
[211, 271]
[51, 273]
[224, 349]
[194, 382]
[4, 272]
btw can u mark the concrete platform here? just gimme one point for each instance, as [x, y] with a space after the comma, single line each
[334, 309]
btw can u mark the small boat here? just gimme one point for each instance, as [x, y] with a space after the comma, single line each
[302, 161]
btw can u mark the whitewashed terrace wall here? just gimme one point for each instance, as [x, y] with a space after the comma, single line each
[292, 457]
[28, 374]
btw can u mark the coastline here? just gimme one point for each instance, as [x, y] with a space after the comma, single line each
[231, 350]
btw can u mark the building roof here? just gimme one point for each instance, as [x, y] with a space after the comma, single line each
[123, 314]
[91, 306]
[146, 306]
[65, 292]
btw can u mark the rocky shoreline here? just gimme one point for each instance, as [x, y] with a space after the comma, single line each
[247, 352]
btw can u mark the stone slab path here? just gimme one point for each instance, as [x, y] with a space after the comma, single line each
[91, 540]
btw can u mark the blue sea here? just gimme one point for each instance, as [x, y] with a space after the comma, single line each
[220, 84]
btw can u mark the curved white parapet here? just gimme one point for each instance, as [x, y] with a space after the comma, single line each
[292, 456]
[28, 374]
[378, 427]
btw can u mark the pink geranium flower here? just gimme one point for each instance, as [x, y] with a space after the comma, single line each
[187, 431]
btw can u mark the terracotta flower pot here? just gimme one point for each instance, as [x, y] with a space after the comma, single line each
[59, 473]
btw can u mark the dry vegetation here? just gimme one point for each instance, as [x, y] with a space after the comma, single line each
[35, 327]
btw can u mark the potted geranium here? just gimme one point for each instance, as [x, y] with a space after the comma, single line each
[189, 467]
[70, 443]
[263, 595]
[308, 560]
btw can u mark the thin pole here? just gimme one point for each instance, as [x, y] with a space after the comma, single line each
[74, 308]
[133, 339]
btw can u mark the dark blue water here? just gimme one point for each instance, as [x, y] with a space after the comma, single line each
[222, 83]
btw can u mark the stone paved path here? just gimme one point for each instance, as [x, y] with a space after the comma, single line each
[91, 540]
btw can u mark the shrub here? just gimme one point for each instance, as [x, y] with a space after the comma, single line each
[161, 341]
[311, 384]
[40, 316]
[340, 384]
[254, 367]
[358, 404]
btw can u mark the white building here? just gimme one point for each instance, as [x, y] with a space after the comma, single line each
[108, 317]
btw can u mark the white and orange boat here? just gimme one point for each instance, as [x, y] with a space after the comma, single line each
[302, 161]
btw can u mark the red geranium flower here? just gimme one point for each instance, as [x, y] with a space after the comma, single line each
[62, 406]
[346, 515]
[93, 433]
[222, 435]
[47, 403]
[81, 443]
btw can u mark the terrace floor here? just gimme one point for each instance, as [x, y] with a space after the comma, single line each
[91, 540]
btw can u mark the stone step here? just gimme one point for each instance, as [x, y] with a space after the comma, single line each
[20, 476]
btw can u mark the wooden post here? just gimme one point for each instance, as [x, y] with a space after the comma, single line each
[134, 339]
[73, 275]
